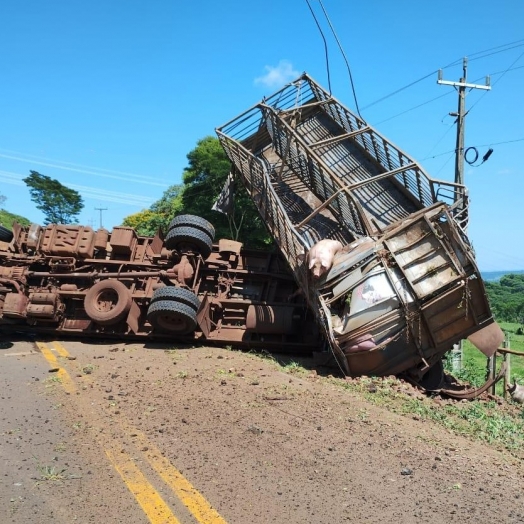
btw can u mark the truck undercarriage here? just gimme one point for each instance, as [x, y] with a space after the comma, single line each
[72, 280]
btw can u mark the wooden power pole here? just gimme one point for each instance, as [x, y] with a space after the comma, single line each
[101, 209]
[461, 86]
[461, 113]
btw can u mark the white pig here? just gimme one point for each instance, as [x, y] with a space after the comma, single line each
[517, 392]
[320, 256]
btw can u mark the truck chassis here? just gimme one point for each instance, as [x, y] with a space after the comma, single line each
[72, 280]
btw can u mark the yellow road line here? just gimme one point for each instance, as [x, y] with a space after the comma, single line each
[153, 505]
[61, 350]
[150, 501]
[183, 489]
[68, 384]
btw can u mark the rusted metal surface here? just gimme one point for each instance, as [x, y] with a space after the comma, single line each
[470, 394]
[405, 286]
[70, 279]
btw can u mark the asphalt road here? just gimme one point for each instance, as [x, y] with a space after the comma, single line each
[61, 464]
[137, 433]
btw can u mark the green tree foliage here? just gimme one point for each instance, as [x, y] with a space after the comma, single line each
[507, 298]
[59, 204]
[203, 181]
[148, 221]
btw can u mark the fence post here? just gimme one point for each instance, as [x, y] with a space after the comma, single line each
[491, 367]
[507, 359]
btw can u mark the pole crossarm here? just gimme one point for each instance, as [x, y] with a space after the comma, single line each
[486, 87]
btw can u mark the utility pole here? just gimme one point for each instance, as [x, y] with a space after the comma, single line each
[460, 195]
[461, 113]
[101, 209]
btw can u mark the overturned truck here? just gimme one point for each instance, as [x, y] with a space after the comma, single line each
[73, 280]
[377, 246]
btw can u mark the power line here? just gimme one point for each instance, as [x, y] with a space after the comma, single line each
[413, 108]
[479, 145]
[451, 64]
[498, 79]
[344, 56]
[325, 45]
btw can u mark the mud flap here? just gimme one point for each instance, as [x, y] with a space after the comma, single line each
[203, 318]
[488, 339]
[133, 316]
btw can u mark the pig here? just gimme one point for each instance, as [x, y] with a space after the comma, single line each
[320, 256]
[517, 392]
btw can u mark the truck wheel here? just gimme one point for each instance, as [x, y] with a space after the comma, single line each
[433, 379]
[6, 235]
[171, 316]
[193, 221]
[177, 294]
[108, 302]
[189, 239]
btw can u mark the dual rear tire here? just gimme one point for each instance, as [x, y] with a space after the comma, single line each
[190, 233]
[173, 309]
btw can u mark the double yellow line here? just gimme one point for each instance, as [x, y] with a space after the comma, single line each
[151, 502]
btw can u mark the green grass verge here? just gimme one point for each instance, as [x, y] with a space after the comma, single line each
[7, 219]
[498, 424]
[474, 363]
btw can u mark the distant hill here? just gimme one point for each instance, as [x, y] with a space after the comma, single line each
[491, 276]
[7, 219]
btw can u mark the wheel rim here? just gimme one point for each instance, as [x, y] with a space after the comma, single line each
[106, 300]
[173, 322]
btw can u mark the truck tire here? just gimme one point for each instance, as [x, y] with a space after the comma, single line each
[6, 235]
[189, 239]
[175, 317]
[193, 221]
[108, 302]
[176, 294]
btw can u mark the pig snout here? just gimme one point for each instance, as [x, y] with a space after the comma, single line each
[517, 393]
[321, 256]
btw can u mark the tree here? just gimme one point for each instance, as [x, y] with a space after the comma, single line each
[148, 221]
[2, 199]
[507, 298]
[203, 179]
[60, 204]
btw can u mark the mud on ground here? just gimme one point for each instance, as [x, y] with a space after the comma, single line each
[266, 444]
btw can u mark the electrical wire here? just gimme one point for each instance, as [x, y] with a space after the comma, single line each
[498, 80]
[446, 162]
[495, 53]
[344, 56]
[413, 108]
[450, 127]
[325, 45]
[451, 64]
[480, 145]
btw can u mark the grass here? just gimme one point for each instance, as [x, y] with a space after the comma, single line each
[501, 425]
[477, 419]
[294, 368]
[47, 472]
[474, 363]
[88, 369]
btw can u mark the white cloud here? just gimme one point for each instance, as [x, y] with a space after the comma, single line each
[277, 76]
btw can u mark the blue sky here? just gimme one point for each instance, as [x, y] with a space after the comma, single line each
[109, 96]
